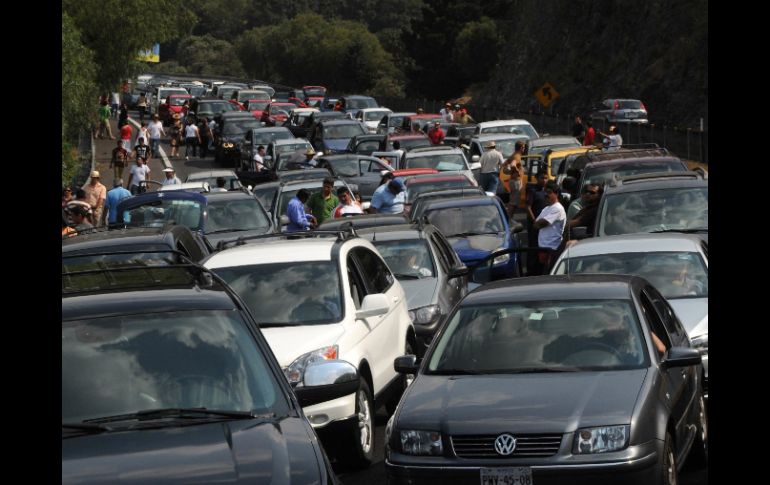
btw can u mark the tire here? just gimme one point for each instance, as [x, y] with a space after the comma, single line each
[406, 380]
[669, 474]
[358, 451]
[699, 453]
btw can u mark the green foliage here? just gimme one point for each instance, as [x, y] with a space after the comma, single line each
[310, 49]
[223, 19]
[209, 56]
[116, 30]
[69, 161]
[476, 49]
[169, 67]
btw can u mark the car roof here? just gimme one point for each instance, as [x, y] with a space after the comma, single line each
[289, 141]
[396, 232]
[407, 136]
[499, 136]
[634, 243]
[433, 150]
[485, 124]
[450, 202]
[356, 96]
[367, 220]
[622, 161]
[210, 173]
[552, 288]
[277, 250]
[237, 114]
[435, 177]
[345, 121]
[552, 140]
[118, 237]
[655, 180]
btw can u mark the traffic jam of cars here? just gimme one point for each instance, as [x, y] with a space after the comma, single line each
[335, 261]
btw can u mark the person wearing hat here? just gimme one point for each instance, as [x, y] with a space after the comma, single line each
[96, 193]
[490, 161]
[171, 177]
[446, 113]
[114, 196]
[436, 134]
[389, 198]
[310, 153]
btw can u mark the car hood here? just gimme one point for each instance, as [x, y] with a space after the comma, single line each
[419, 292]
[520, 403]
[221, 236]
[693, 313]
[246, 451]
[472, 248]
[290, 342]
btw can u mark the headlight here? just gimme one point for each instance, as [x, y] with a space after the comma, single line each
[601, 440]
[389, 428]
[421, 443]
[502, 259]
[227, 145]
[295, 372]
[424, 314]
[701, 342]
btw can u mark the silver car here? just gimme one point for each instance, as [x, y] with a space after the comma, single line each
[621, 111]
[676, 264]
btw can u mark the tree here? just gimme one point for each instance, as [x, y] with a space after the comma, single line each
[116, 30]
[223, 19]
[209, 56]
[79, 92]
[476, 49]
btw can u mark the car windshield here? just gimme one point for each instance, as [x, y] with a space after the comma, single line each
[258, 105]
[515, 129]
[196, 90]
[239, 127]
[231, 181]
[174, 101]
[654, 211]
[285, 294]
[244, 95]
[442, 163]
[213, 109]
[410, 143]
[120, 256]
[292, 147]
[277, 109]
[315, 91]
[538, 150]
[506, 147]
[265, 138]
[408, 258]
[602, 174]
[342, 131]
[345, 167]
[630, 104]
[360, 103]
[472, 219]
[226, 93]
[540, 336]
[415, 189]
[374, 115]
[674, 274]
[235, 215]
[161, 211]
[182, 359]
[265, 195]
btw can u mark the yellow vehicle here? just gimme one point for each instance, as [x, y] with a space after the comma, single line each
[532, 163]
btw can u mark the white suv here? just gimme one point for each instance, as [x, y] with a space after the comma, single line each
[327, 297]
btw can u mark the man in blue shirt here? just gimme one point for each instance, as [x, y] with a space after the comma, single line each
[389, 198]
[295, 211]
[115, 195]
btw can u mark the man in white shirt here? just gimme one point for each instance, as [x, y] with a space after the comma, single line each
[171, 178]
[550, 222]
[346, 207]
[138, 174]
[612, 141]
[490, 161]
[156, 131]
[446, 113]
[259, 159]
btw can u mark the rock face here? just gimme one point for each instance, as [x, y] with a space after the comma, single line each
[589, 50]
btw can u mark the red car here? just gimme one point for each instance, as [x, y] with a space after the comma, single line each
[314, 93]
[276, 113]
[174, 104]
[256, 106]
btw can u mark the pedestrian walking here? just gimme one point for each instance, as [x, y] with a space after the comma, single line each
[490, 161]
[156, 131]
[96, 193]
[138, 174]
[119, 159]
[105, 130]
[141, 104]
[114, 196]
[192, 138]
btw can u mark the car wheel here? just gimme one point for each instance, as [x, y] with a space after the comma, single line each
[669, 472]
[405, 381]
[360, 452]
[699, 454]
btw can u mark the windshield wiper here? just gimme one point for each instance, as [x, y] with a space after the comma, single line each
[230, 230]
[466, 234]
[406, 276]
[181, 413]
[691, 230]
[535, 370]
[78, 429]
[449, 372]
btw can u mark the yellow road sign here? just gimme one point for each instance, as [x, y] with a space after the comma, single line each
[546, 94]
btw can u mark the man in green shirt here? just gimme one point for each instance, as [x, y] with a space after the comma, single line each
[104, 121]
[321, 204]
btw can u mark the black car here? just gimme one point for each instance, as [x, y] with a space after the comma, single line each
[364, 221]
[552, 380]
[230, 133]
[211, 108]
[235, 213]
[186, 389]
[433, 277]
[365, 144]
[362, 170]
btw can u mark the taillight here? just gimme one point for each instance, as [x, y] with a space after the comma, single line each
[644, 108]
[616, 105]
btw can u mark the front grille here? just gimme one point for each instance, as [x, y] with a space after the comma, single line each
[483, 446]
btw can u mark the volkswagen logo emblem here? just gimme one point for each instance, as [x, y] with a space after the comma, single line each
[505, 444]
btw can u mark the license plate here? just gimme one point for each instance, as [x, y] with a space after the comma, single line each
[632, 115]
[506, 476]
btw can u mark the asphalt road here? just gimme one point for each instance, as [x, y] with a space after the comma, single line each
[375, 474]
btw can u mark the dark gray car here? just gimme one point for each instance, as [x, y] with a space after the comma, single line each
[362, 170]
[433, 277]
[552, 380]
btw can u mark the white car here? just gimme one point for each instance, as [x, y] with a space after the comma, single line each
[328, 297]
[371, 117]
[516, 127]
[675, 264]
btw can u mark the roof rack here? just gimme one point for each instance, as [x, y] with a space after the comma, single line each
[617, 181]
[345, 232]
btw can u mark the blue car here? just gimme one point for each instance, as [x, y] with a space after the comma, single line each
[159, 208]
[477, 227]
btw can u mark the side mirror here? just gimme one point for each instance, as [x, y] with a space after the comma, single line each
[458, 271]
[482, 274]
[475, 158]
[327, 380]
[516, 227]
[406, 364]
[580, 232]
[284, 220]
[680, 357]
[268, 158]
[366, 205]
[373, 305]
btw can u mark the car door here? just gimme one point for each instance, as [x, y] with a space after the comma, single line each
[369, 177]
[384, 340]
[676, 395]
[451, 290]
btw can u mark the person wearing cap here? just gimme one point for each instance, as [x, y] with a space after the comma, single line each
[389, 200]
[436, 134]
[347, 206]
[446, 113]
[311, 154]
[490, 161]
[171, 178]
[114, 196]
[96, 193]
[156, 131]
[321, 204]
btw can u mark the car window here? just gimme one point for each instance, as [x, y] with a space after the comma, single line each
[654, 210]
[445, 252]
[441, 163]
[235, 215]
[346, 167]
[266, 196]
[184, 359]
[539, 335]
[357, 287]
[372, 166]
[342, 131]
[159, 212]
[417, 188]
[654, 320]
[285, 294]
[407, 258]
[374, 270]
[673, 327]
[467, 220]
